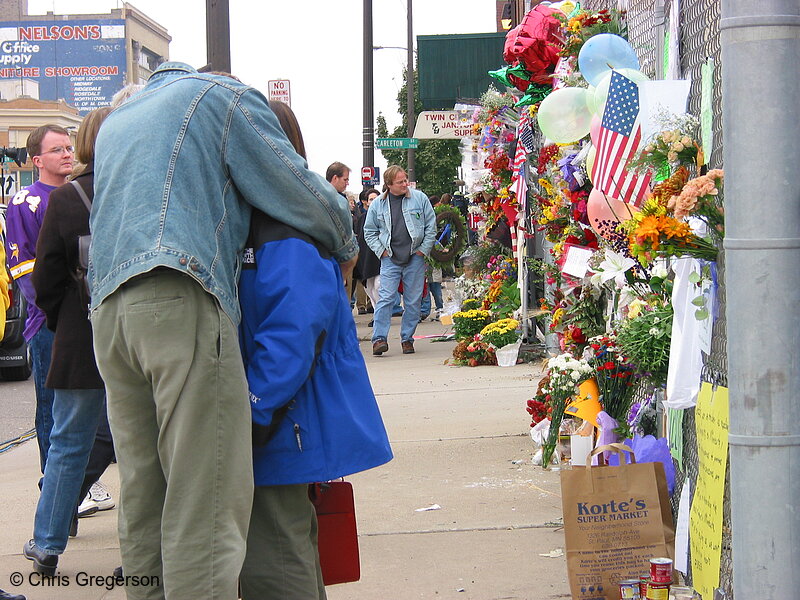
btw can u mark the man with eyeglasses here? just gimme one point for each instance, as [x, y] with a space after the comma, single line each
[51, 151]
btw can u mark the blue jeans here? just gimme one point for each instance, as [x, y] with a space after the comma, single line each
[425, 306]
[412, 275]
[436, 291]
[75, 417]
[41, 346]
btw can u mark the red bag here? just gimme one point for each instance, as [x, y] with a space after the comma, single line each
[337, 536]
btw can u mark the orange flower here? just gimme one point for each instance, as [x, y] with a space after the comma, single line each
[648, 229]
[673, 228]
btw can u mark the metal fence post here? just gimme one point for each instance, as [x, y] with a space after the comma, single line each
[760, 55]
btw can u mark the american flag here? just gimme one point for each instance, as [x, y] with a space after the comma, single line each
[524, 147]
[620, 134]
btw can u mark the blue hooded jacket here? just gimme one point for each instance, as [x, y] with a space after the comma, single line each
[315, 417]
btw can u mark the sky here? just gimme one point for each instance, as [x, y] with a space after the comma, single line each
[317, 45]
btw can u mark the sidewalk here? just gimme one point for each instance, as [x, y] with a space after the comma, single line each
[456, 433]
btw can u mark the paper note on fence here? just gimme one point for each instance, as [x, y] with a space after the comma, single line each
[705, 524]
[576, 262]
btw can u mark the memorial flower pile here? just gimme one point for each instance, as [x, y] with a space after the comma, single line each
[467, 324]
[500, 333]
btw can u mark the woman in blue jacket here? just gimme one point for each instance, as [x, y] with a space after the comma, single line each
[315, 417]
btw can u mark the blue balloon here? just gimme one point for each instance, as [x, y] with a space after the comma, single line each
[603, 52]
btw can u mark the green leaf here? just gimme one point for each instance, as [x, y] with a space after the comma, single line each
[701, 314]
[656, 284]
[694, 277]
[699, 301]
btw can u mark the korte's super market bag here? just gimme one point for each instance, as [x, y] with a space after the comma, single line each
[615, 520]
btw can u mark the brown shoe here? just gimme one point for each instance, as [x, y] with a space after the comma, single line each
[408, 347]
[381, 346]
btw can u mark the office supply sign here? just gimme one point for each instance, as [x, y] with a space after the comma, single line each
[80, 61]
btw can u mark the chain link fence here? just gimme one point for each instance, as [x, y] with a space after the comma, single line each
[698, 41]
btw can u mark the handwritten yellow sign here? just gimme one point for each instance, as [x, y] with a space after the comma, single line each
[705, 523]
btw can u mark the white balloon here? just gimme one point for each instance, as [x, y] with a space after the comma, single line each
[564, 116]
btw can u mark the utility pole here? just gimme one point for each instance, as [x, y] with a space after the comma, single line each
[218, 36]
[368, 159]
[410, 93]
[761, 42]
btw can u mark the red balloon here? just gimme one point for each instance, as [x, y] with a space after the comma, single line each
[605, 213]
[536, 42]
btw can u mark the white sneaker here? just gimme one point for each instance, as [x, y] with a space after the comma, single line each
[97, 499]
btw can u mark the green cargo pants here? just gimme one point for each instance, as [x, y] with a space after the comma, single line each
[180, 416]
[282, 560]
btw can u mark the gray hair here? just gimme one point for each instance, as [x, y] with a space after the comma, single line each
[121, 96]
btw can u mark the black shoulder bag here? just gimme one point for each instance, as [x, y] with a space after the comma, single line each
[81, 271]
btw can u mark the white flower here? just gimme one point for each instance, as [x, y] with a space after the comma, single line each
[659, 271]
[654, 331]
[596, 279]
[614, 266]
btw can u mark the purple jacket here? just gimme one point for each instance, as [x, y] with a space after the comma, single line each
[24, 218]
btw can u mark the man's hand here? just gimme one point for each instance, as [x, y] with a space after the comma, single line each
[347, 270]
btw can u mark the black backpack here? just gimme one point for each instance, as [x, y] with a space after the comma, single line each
[81, 271]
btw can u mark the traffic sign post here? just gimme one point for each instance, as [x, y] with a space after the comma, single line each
[370, 176]
[280, 91]
[397, 143]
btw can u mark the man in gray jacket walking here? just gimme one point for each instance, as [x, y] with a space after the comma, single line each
[400, 229]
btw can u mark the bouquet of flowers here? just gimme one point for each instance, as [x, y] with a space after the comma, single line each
[700, 198]
[580, 25]
[577, 317]
[474, 352]
[674, 146]
[505, 300]
[652, 235]
[467, 324]
[500, 267]
[565, 372]
[645, 340]
[539, 407]
[500, 333]
[470, 288]
[614, 376]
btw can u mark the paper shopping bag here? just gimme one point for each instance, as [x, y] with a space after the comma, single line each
[337, 535]
[616, 518]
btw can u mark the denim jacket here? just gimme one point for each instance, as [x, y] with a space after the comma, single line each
[420, 221]
[177, 169]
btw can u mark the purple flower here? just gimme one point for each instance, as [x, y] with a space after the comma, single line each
[633, 415]
[568, 171]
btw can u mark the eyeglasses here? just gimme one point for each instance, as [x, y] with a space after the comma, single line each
[61, 150]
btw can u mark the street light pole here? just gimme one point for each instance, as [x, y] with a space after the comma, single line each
[410, 93]
[218, 36]
[368, 158]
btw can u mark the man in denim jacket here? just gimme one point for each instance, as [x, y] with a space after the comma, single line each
[177, 169]
[400, 229]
